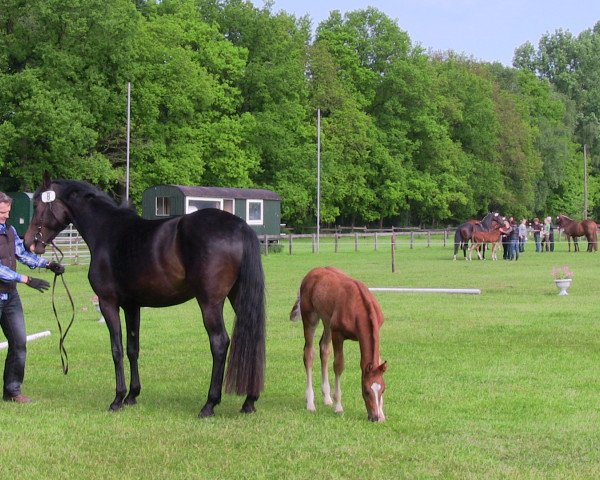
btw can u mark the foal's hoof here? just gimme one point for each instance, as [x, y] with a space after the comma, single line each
[130, 400]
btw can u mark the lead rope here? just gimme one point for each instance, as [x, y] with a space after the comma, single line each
[64, 358]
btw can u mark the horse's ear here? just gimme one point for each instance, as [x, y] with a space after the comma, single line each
[47, 180]
[383, 367]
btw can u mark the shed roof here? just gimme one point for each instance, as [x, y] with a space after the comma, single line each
[226, 192]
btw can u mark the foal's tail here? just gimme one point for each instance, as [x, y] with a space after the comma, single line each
[295, 313]
[246, 366]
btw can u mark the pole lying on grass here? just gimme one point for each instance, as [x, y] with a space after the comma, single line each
[33, 336]
[467, 291]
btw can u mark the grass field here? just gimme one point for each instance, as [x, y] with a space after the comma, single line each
[500, 385]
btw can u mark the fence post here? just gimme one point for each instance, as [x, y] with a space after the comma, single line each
[314, 243]
[336, 240]
[412, 239]
[445, 237]
[290, 240]
[393, 252]
[375, 240]
[429, 239]
[356, 242]
[266, 240]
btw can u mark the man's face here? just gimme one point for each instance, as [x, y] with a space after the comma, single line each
[4, 212]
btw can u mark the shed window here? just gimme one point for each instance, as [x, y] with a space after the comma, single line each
[193, 204]
[163, 206]
[254, 212]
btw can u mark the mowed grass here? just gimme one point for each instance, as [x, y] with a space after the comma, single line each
[500, 385]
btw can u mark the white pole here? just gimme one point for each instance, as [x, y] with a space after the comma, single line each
[468, 291]
[33, 336]
[318, 177]
[128, 132]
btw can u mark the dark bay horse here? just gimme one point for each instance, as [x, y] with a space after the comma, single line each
[464, 232]
[349, 311]
[209, 255]
[574, 229]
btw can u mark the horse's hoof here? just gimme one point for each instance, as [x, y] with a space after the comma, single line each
[115, 407]
[129, 401]
[207, 411]
[248, 407]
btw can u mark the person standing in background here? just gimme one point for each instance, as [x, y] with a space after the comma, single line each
[522, 235]
[537, 234]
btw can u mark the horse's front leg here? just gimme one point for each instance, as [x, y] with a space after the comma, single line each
[338, 369]
[111, 315]
[219, 343]
[132, 322]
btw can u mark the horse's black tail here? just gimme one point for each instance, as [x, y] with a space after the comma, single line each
[246, 366]
[457, 241]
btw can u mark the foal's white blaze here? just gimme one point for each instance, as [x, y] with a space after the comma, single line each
[376, 387]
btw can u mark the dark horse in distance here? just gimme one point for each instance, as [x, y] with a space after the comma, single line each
[574, 229]
[209, 255]
[464, 232]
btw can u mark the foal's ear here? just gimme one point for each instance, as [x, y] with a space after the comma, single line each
[383, 367]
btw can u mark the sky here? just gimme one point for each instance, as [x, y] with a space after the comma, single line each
[488, 30]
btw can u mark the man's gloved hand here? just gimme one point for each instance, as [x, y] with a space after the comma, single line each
[37, 283]
[56, 268]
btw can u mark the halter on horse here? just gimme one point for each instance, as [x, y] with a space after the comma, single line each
[209, 255]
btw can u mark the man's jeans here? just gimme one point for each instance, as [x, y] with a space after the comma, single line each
[13, 326]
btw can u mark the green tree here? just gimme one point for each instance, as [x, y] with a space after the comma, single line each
[61, 86]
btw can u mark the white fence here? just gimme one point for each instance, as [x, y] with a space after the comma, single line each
[72, 246]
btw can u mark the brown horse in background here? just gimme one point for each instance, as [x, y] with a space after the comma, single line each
[481, 238]
[348, 311]
[574, 229]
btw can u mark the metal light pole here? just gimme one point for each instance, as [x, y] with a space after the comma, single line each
[318, 177]
[128, 132]
[585, 183]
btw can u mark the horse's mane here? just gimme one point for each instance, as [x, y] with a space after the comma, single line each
[85, 189]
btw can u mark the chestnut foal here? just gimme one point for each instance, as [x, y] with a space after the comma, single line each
[348, 311]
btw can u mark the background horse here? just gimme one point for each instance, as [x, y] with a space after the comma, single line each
[480, 238]
[209, 255]
[349, 311]
[574, 229]
[465, 231]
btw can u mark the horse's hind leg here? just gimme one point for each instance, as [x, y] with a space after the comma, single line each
[325, 350]
[132, 322]
[310, 322]
[219, 343]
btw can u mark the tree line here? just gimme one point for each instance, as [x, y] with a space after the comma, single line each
[225, 93]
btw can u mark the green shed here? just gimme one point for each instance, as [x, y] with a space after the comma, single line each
[260, 208]
[21, 211]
